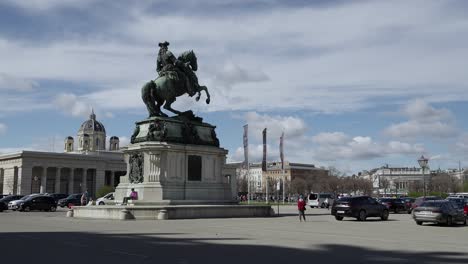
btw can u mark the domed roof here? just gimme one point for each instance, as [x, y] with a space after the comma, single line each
[70, 138]
[92, 125]
[114, 137]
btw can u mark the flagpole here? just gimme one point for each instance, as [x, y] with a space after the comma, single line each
[248, 183]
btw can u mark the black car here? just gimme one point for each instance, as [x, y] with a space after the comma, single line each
[58, 196]
[3, 206]
[5, 200]
[395, 205]
[72, 199]
[359, 207]
[39, 202]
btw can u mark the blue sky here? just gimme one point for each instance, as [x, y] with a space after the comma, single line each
[353, 84]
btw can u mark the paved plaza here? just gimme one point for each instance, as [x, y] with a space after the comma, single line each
[41, 237]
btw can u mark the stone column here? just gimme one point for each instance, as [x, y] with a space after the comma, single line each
[18, 180]
[25, 180]
[71, 180]
[57, 179]
[112, 179]
[43, 180]
[83, 180]
[99, 179]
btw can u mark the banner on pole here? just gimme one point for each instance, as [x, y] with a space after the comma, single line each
[264, 160]
[282, 151]
[246, 146]
[278, 185]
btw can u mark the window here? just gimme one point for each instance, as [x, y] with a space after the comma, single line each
[194, 168]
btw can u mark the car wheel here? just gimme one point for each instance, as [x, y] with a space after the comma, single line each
[53, 209]
[101, 203]
[419, 222]
[339, 218]
[362, 215]
[464, 221]
[322, 205]
[384, 215]
[449, 221]
[27, 209]
[395, 210]
[409, 212]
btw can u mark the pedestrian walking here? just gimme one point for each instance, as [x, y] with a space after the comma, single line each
[301, 206]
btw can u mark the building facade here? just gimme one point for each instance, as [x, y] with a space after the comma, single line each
[259, 179]
[395, 180]
[88, 168]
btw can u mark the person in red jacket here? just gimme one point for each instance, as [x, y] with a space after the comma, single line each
[301, 206]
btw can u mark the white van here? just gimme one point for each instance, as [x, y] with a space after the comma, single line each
[321, 200]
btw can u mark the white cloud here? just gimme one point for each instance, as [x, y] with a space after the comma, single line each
[293, 127]
[72, 104]
[337, 145]
[46, 5]
[413, 53]
[424, 121]
[333, 138]
[3, 128]
[9, 82]
[232, 74]
[462, 144]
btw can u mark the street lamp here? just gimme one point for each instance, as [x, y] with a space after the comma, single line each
[423, 163]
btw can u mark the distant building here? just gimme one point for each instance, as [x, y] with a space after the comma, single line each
[258, 178]
[89, 167]
[394, 180]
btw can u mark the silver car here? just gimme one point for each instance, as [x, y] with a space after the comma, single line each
[439, 212]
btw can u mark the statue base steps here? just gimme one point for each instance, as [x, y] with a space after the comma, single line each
[135, 212]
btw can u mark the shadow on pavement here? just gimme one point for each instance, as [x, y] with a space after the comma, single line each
[82, 247]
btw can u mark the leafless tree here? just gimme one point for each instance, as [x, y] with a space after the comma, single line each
[298, 186]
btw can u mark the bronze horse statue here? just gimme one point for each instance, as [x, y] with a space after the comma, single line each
[165, 89]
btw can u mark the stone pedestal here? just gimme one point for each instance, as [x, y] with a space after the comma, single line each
[175, 174]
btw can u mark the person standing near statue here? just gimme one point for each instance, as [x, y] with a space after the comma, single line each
[167, 63]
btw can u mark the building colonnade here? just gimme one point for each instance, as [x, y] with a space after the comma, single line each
[47, 179]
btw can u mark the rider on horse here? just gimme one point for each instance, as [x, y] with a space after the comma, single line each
[169, 65]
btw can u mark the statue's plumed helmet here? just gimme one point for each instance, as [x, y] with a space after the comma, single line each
[163, 44]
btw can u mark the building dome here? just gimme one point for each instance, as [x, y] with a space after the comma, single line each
[91, 135]
[91, 125]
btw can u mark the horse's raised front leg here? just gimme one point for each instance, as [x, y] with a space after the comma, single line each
[168, 106]
[204, 88]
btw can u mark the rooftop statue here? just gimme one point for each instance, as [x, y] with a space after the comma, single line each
[176, 76]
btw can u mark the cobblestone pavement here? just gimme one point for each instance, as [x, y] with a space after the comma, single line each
[42, 237]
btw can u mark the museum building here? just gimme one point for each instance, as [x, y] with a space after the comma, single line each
[89, 167]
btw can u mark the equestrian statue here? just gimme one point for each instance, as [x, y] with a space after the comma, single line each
[176, 76]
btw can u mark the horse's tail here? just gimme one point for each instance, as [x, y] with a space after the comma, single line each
[147, 95]
[147, 91]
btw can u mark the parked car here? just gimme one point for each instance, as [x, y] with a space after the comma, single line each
[72, 199]
[393, 204]
[105, 199]
[57, 196]
[408, 203]
[5, 200]
[3, 206]
[38, 202]
[461, 203]
[422, 199]
[359, 207]
[13, 205]
[438, 211]
[320, 200]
